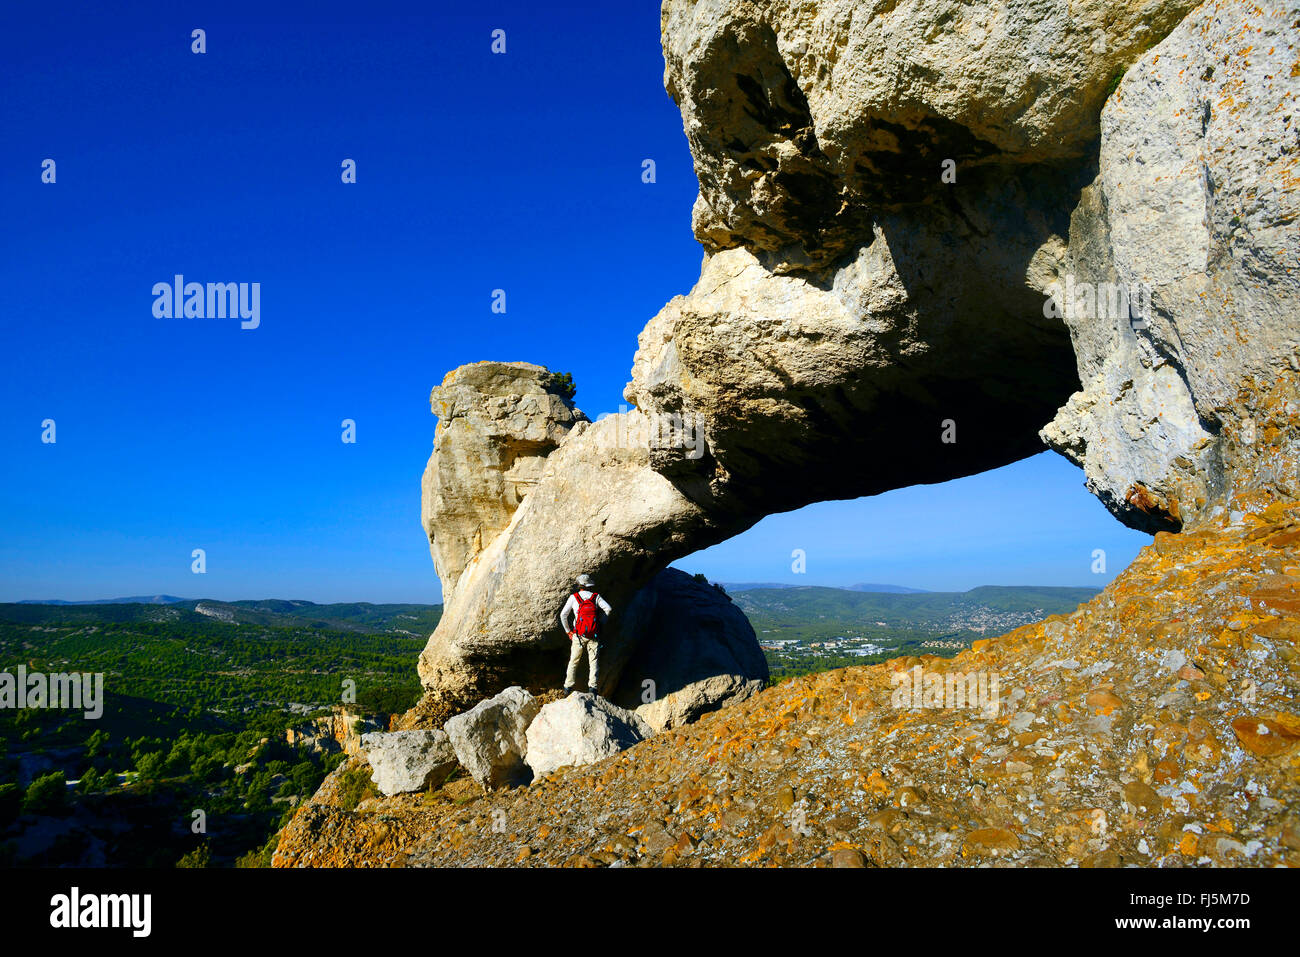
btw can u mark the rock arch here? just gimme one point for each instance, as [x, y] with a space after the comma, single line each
[851, 302]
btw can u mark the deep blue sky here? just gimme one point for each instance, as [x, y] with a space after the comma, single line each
[475, 172]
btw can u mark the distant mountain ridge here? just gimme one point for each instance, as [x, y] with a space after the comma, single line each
[862, 586]
[409, 619]
[891, 589]
[989, 607]
[138, 600]
[805, 608]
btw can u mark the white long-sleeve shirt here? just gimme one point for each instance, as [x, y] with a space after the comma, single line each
[570, 610]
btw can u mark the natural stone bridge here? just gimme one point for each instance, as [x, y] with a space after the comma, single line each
[890, 195]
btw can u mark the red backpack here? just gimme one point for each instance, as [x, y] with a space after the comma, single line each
[584, 626]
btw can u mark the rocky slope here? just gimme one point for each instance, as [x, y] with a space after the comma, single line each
[1157, 725]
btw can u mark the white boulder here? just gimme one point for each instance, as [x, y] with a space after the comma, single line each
[489, 739]
[581, 729]
[402, 761]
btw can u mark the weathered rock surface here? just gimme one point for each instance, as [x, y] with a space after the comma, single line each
[497, 422]
[806, 119]
[489, 740]
[700, 653]
[341, 730]
[1196, 400]
[402, 761]
[1156, 726]
[580, 729]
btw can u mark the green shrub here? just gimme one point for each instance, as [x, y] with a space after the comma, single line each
[150, 764]
[48, 794]
[354, 787]
[260, 857]
[96, 744]
[90, 782]
[562, 382]
[1113, 85]
[198, 857]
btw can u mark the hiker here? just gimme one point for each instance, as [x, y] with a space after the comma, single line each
[580, 619]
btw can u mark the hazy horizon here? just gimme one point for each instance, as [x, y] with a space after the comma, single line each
[123, 599]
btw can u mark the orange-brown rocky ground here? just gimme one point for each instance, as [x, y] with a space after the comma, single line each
[1157, 725]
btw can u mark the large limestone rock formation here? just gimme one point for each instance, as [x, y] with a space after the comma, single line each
[497, 422]
[807, 120]
[341, 730]
[1196, 202]
[892, 196]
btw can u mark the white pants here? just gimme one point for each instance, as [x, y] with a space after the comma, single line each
[575, 658]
